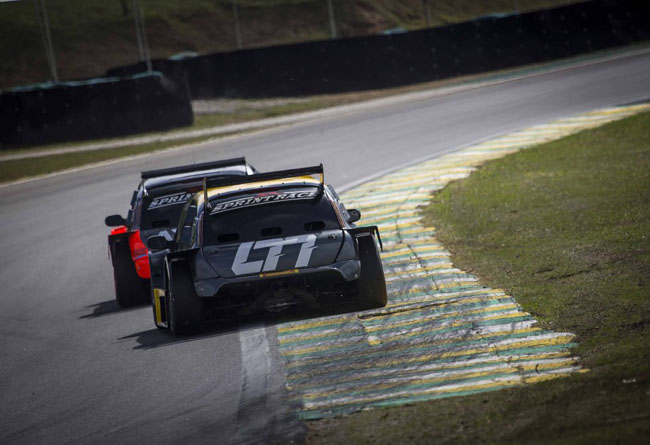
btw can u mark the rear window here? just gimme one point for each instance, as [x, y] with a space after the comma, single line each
[163, 212]
[270, 220]
[163, 218]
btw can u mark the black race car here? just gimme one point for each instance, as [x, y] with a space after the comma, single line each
[263, 242]
[155, 210]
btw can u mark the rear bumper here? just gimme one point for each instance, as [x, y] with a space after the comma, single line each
[343, 271]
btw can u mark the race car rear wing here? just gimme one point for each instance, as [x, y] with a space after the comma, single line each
[177, 184]
[193, 168]
[280, 174]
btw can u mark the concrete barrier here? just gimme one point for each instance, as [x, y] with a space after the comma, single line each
[97, 108]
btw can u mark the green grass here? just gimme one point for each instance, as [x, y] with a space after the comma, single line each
[92, 36]
[565, 229]
[23, 168]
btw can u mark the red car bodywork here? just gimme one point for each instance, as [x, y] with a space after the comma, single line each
[139, 252]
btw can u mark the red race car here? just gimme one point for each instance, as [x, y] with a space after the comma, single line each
[155, 210]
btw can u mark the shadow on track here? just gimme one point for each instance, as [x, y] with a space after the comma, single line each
[156, 338]
[107, 307]
[225, 325]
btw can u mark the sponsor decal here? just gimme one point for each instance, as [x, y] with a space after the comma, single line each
[170, 200]
[241, 265]
[263, 198]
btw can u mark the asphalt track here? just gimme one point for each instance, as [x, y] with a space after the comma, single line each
[74, 368]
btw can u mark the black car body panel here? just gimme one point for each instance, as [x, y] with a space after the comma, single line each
[263, 241]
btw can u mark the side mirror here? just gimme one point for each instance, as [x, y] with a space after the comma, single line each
[353, 215]
[158, 243]
[114, 221]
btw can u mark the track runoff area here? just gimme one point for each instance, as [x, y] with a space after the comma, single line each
[442, 333]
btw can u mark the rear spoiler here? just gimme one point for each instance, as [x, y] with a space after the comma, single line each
[192, 168]
[280, 174]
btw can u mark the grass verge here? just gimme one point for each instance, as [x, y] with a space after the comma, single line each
[565, 228]
[14, 170]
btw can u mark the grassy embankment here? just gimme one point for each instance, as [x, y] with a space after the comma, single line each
[91, 36]
[565, 229]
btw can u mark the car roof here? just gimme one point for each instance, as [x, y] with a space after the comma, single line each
[168, 180]
[146, 174]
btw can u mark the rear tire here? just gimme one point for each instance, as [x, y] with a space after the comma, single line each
[130, 289]
[371, 285]
[184, 307]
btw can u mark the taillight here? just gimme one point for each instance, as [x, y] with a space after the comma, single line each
[140, 255]
[118, 230]
[138, 248]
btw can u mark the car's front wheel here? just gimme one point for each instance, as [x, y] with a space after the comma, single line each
[371, 285]
[185, 308]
